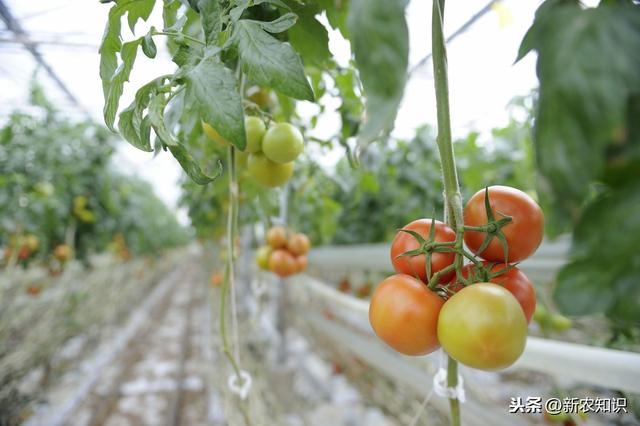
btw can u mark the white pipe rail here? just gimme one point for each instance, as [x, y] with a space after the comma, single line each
[541, 266]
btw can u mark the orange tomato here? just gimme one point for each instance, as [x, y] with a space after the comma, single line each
[277, 237]
[404, 314]
[302, 263]
[282, 263]
[298, 244]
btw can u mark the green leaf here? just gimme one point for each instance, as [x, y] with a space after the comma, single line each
[582, 101]
[310, 37]
[380, 43]
[170, 13]
[283, 23]
[138, 9]
[110, 46]
[133, 127]
[605, 256]
[270, 62]
[581, 289]
[213, 87]
[278, 3]
[194, 5]
[111, 41]
[116, 85]
[211, 19]
[149, 46]
[191, 167]
[186, 160]
[156, 117]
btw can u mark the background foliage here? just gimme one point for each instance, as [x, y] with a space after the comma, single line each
[58, 184]
[587, 141]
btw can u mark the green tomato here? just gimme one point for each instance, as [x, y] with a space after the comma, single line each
[262, 257]
[255, 129]
[560, 322]
[267, 172]
[282, 143]
[541, 315]
[483, 326]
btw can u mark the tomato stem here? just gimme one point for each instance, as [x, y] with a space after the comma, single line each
[229, 273]
[177, 34]
[452, 197]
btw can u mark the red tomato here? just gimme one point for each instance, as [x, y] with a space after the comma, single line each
[513, 280]
[404, 314]
[523, 234]
[415, 266]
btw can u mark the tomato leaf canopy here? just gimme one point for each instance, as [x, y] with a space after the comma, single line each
[270, 62]
[380, 43]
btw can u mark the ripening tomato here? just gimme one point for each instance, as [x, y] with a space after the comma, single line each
[302, 262]
[216, 279]
[512, 279]
[282, 143]
[523, 234]
[364, 291]
[213, 134]
[24, 253]
[404, 314]
[282, 263]
[255, 130]
[277, 237]
[415, 266]
[483, 326]
[298, 244]
[344, 286]
[62, 253]
[34, 289]
[32, 242]
[266, 172]
[262, 257]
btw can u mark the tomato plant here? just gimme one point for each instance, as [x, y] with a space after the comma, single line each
[483, 326]
[59, 186]
[520, 237]
[404, 314]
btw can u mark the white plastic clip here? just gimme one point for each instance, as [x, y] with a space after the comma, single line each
[441, 389]
[242, 390]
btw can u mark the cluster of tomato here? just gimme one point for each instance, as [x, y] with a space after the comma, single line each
[270, 153]
[26, 245]
[23, 247]
[285, 253]
[479, 315]
[362, 292]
